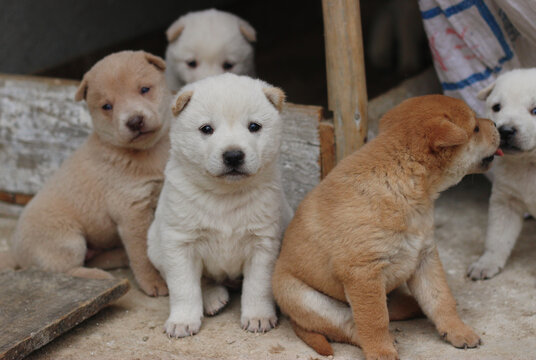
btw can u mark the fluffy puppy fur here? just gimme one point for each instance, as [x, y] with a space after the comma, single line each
[511, 104]
[207, 43]
[105, 194]
[222, 210]
[367, 229]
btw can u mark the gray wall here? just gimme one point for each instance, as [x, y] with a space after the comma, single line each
[37, 34]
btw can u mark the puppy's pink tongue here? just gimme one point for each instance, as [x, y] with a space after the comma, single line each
[499, 152]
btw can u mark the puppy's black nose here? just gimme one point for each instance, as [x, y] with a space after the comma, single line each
[507, 132]
[135, 123]
[233, 158]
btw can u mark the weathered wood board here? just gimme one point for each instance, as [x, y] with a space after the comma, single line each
[41, 125]
[36, 307]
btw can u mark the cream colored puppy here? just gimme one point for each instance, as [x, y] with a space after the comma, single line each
[103, 197]
[222, 210]
[511, 104]
[207, 43]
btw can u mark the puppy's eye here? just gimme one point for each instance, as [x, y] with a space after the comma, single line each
[254, 127]
[192, 64]
[533, 111]
[477, 129]
[227, 65]
[496, 107]
[145, 90]
[206, 129]
[107, 107]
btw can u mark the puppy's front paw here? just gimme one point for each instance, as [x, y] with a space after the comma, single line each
[258, 324]
[215, 297]
[152, 284]
[388, 353]
[181, 329]
[485, 268]
[461, 336]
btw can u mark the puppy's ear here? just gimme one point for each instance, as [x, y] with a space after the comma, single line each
[157, 61]
[175, 30]
[81, 93]
[446, 134]
[484, 93]
[247, 30]
[181, 102]
[276, 96]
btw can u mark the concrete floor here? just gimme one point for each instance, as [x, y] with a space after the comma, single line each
[502, 310]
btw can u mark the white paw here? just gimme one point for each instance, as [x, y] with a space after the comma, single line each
[258, 324]
[215, 297]
[484, 268]
[181, 329]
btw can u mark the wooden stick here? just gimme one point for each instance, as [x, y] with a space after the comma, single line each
[345, 63]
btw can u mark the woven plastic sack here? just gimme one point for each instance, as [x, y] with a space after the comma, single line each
[474, 41]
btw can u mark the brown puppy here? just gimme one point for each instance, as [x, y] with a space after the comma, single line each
[106, 192]
[367, 229]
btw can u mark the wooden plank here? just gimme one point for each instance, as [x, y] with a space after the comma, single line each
[36, 307]
[41, 125]
[328, 158]
[345, 63]
[300, 151]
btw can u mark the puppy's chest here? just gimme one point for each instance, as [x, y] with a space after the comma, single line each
[224, 255]
[519, 181]
[410, 249]
[142, 191]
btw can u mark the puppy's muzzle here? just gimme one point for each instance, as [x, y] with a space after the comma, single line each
[233, 158]
[508, 137]
[136, 123]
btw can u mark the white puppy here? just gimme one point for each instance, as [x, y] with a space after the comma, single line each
[222, 210]
[511, 104]
[207, 43]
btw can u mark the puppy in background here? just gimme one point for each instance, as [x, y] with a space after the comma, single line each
[222, 210]
[368, 227]
[511, 104]
[103, 197]
[207, 43]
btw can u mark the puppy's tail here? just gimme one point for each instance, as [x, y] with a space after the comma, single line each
[7, 260]
[317, 341]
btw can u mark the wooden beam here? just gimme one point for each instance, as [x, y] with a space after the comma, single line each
[345, 63]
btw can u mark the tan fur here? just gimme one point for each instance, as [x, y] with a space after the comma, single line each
[248, 31]
[276, 96]
[174, 31]
[181, 102]
[367, 229]
[103, 197]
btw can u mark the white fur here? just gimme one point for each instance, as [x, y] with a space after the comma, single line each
[514, 175]
[211, 38]
[336, 312]
[217, 226]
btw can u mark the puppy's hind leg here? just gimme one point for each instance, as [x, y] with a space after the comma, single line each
[58, 250]
[109, 259]
[314, 316]
[215, 297]
[7, 261]
[402, 306]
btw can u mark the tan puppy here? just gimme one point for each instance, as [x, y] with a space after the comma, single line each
[105, 194]
[367, 229]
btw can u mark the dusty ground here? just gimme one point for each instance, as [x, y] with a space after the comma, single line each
[502, 310]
